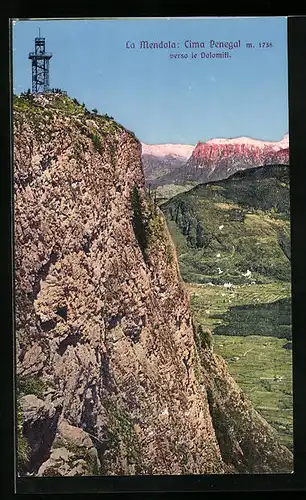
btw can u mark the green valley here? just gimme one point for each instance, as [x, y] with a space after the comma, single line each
[236, 230]
[261, 364]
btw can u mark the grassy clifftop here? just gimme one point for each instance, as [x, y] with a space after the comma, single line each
[46, 104]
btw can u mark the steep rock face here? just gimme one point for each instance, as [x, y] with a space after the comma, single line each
[281, 157]
[220, 158]
[102, 319]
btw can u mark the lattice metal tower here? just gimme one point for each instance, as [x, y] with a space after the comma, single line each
[40, 66]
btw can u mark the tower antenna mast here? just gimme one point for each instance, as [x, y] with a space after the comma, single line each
[40, 66]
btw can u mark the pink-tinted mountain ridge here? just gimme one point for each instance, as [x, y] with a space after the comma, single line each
[219, 158]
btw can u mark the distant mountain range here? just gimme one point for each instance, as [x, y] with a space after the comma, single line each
[161, 159]
[209, 161]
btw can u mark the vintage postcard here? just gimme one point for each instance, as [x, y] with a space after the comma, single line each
[152, 247]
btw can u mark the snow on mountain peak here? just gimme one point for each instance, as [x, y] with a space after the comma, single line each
[183, 151]
[248, 141]
[284, 143]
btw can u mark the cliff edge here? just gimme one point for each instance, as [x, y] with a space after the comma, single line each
[127, 385]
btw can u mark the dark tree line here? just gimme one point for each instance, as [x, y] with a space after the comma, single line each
[57, 91]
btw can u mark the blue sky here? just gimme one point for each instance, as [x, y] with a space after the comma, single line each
[165, 100]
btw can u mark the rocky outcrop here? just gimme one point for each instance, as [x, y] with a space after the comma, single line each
[40, 419]
[103, 318]
[72, 454]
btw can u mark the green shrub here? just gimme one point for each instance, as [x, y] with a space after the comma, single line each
[266, 384]
[97, 143]
[122, 431]
[23, 448]
[169, 254]
[139, 222]
[203, 337]
[27, 385]
[30, 385]
[112, 150]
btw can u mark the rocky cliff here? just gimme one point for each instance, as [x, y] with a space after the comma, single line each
[113, 377]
